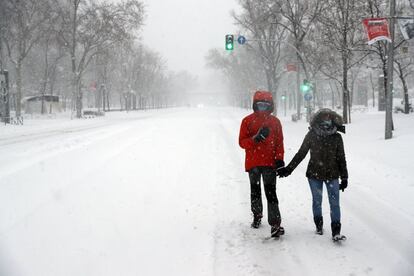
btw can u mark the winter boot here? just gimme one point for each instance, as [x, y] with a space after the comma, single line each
[336, 232]
[257, 220]
[319, 225]
[276, 231]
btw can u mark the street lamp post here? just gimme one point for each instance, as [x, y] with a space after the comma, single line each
[390, 71]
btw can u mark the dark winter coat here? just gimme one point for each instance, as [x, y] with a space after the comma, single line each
[264, 153]
[327, 155]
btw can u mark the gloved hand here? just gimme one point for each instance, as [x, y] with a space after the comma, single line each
[261, 134]
[279, 164]
[344, 184]
[284, 171]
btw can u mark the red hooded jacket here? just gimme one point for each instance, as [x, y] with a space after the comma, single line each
[264, 153]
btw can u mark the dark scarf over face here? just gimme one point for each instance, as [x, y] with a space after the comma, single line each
[324, 131]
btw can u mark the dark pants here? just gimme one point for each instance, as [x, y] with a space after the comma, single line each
[269, 182]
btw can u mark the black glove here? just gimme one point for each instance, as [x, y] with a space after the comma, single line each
[344, 184]
[284, 171]
[261, 134]
[279, 164]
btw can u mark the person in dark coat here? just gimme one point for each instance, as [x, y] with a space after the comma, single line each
[261, 137]
[326, 165]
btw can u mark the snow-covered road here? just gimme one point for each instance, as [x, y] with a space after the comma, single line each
[165, 193]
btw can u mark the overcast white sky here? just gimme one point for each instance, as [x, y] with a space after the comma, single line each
[182, 31]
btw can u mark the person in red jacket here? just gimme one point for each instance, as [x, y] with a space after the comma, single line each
[262, 138]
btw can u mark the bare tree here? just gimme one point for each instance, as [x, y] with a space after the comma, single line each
[298, 18]
[259, 20]
[4, 22]
[405, 68]
[52, 53]
[340, 24]
[139, 76]
[89, 27]
[243, 71]
[379, 50]
[404, 59]
[26, 18]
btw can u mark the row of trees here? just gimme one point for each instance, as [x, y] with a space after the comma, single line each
[72, 47]
[323, 39]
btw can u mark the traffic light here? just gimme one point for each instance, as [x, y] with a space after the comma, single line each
[306, 86]
[229, 42]
[283, 97]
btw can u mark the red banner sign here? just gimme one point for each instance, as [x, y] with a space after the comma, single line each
[93, 86]
[291, 67]
[376, 29]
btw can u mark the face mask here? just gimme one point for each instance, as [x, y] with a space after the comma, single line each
[263, 106]
[325, 124]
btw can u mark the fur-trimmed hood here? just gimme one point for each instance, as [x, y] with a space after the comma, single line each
[326, 112]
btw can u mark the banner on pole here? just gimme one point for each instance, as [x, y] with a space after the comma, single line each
[407, 27]
[376, 29]
[291, 67]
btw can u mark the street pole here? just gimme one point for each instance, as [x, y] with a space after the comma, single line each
[298, 93]
[390, 71]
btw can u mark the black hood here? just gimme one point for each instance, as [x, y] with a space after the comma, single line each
[335, 117]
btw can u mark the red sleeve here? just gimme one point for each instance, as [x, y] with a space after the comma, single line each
[280, 150]
[245, 141]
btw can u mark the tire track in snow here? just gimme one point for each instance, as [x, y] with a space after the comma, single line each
[47, 194]
[33, 137]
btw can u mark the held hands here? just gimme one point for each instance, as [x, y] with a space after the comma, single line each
[283, 171]
[261, 134]
[344, 184]
[279, 164]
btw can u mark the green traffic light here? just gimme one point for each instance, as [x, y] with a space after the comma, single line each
[305, 86]
[229, 42]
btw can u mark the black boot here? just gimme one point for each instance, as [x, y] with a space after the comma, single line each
[319, 225]
[276, 231]
[336, 232]
[336, 228]
[257, 220]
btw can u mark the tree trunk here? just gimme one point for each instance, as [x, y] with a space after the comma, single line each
[406, 103]
[333, 96]
[78, 98]
[76, 78]
[19, 88]
[45, 77]
[107, 100]
[345, 91]
[373, 90]
[405, 88]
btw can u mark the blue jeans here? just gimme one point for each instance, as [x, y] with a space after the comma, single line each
[332, 186]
